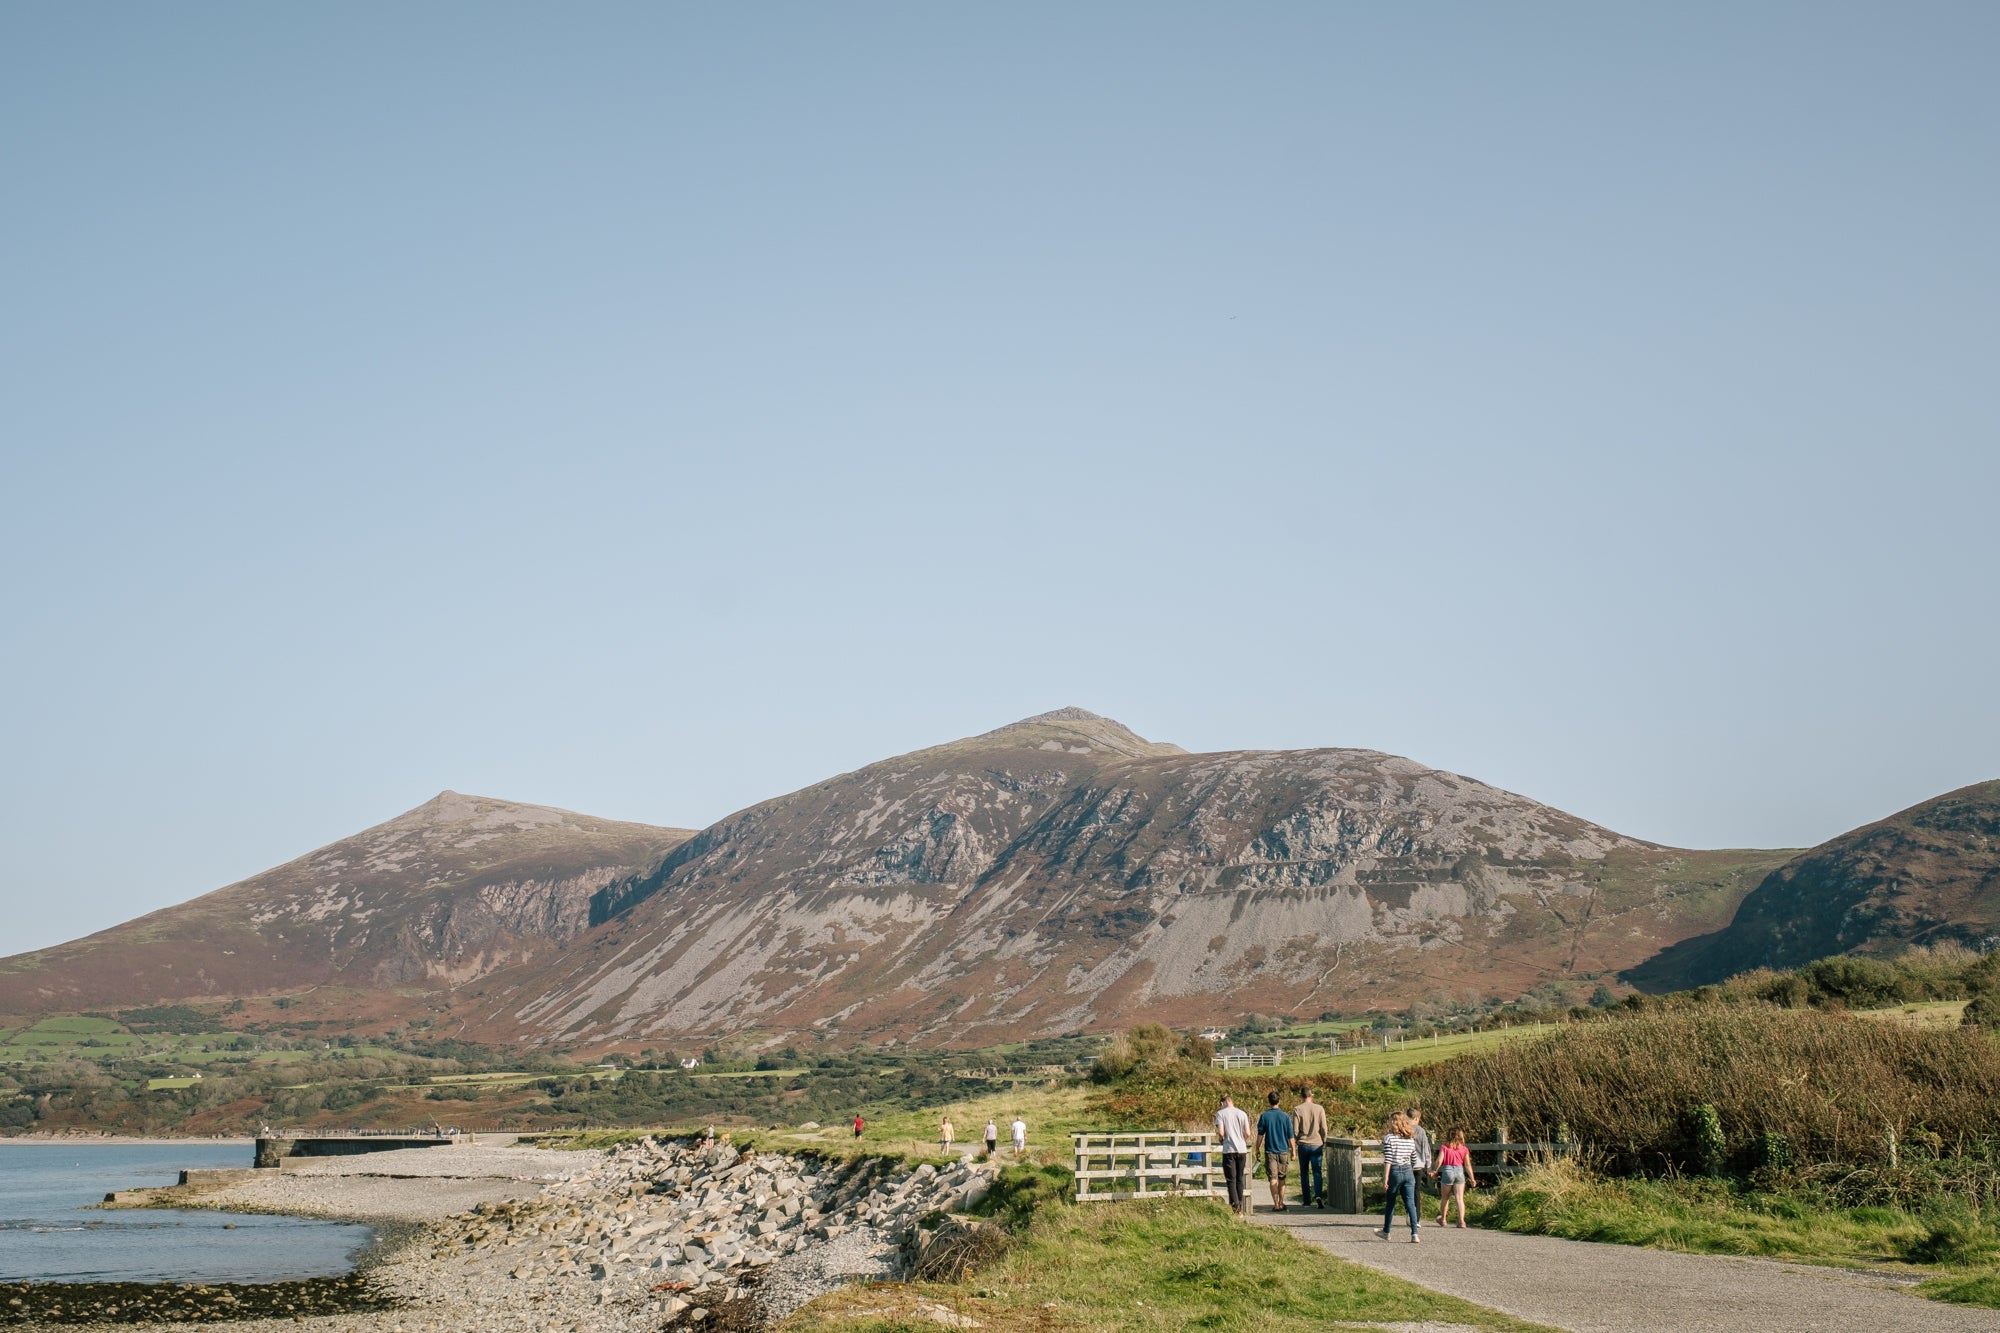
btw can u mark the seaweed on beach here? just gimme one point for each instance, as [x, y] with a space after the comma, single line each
[184, 1302]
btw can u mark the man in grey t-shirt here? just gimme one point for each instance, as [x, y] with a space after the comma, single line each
[1423, 1163]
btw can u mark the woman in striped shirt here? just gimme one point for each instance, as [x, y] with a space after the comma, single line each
[1399, 1172]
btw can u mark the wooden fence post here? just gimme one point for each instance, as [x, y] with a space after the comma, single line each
[1343, 1175]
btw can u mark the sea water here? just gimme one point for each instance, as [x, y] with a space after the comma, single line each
[49, 1232]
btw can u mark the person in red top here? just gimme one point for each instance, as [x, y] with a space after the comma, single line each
[1454, 1174]
[857, 1127]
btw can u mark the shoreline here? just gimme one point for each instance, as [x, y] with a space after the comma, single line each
[634, 1239]
[127, 1140]
[393, 1282]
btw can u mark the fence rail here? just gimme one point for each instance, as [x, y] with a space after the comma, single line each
[1352, 1163]
[1147, 1166]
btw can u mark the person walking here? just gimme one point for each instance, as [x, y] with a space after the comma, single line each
[1274, 1141]
[1426, 1157]
[1399, 1172]
[992, 1138]
[1020, 1136]
[945, 1134]
[857, 1126]
[1309, 1131]
[1232, 1126]
[1454, 1174]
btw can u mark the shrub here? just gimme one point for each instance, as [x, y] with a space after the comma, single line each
[1983, 1011]
[1711, 1149]
[1829, 1084]
[1774, 1152]
[1189, 1097]
[1150, 1048]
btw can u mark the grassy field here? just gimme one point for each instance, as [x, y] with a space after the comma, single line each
[97, 1036]
[1925, 1013]
[1150, 1268]
[1052, 1115]
[1377, 1061]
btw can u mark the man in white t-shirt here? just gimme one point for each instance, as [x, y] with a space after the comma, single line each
[1232, 1126]
[1020, 1136]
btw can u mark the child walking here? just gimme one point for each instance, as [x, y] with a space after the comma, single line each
[1454, 1174]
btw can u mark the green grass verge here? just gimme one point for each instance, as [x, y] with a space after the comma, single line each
[1151, 1268]
[1975, 1289]
[1713, 1217]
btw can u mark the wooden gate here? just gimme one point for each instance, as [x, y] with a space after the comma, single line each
[1148, 1166]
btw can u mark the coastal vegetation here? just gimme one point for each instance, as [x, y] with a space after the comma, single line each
[1148, 1268]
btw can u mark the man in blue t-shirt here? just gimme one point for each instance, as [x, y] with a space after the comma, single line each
[1274, 1138]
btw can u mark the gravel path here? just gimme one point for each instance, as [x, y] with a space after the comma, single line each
[1591, 1288]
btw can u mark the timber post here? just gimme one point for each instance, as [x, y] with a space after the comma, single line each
[1343, 1175]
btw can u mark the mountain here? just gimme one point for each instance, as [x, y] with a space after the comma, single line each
[1928, 874]
[431, 899]
[1063, 873]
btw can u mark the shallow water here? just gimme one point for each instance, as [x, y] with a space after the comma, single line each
[49, 1233]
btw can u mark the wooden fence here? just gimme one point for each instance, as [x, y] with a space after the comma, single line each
[1352, 1165]
[1244, 1059]
[1147, 1166]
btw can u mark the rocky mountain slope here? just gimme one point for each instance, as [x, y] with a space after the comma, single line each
[1064, 873]
[1928, 874]
[432, 898]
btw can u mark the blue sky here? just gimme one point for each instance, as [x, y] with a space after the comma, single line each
[649, 409]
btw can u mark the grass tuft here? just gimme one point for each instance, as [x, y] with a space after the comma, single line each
[1151, 1268]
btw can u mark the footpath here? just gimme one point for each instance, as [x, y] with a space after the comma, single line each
[1593, 1288]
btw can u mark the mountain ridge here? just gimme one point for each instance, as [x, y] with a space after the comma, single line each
[1063, 871]
[1057, 873]
[1924, 875]
[435, 896]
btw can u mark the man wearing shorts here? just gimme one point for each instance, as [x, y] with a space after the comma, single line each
[1274, 1138]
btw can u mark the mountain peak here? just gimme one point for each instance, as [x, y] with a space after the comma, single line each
[1069, 714]
[1076, 730]
[451, 810]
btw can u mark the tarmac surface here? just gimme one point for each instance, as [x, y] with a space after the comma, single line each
[1593, 1288]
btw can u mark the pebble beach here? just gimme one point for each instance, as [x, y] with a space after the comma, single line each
[645, 1236]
